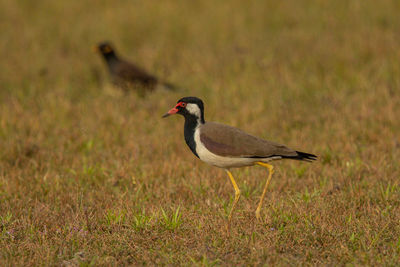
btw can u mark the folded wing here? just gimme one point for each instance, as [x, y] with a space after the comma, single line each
[224, 140]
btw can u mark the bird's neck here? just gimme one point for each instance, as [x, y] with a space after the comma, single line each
[191, 124]
[110, 57]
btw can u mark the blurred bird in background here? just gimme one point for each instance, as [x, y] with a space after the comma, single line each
[129, 76]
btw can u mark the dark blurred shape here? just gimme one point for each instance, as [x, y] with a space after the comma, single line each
[127, 75]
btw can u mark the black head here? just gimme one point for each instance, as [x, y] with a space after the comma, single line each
[106, 49]
[188, 107]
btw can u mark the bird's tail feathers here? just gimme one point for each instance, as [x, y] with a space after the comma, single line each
[302, 156]
[169, 86]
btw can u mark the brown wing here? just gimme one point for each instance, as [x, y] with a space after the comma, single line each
[129, 72]
[225, 140]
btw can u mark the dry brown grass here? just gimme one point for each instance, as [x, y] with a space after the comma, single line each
[89, 176]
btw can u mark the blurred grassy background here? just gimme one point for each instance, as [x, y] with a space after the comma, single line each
[89, 176]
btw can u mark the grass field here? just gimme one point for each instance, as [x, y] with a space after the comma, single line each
[90, 176]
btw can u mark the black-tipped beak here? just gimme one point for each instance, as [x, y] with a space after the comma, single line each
[170, 112]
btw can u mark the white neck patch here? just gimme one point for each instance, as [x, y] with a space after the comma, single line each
[194, 110]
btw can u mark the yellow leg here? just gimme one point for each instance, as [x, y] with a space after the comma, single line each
[237, 196]
[271, 171]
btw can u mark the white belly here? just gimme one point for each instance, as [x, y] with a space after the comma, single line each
[223, 162]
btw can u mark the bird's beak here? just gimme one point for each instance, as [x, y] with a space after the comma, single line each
[170, 112]
[95, 49]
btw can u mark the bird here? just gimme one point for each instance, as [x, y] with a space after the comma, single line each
[228, 147]
[127, 75]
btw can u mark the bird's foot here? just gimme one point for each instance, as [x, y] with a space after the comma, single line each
[258, 216]
[228, 228]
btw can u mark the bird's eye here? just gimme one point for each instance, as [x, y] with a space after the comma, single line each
[183, 104]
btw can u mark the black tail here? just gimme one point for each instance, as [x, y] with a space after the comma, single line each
[302, 156]
[169, 86]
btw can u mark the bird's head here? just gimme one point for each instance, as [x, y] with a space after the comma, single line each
[104, 48]
[188, 107]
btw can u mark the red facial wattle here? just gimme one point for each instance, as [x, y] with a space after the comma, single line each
[175, 109]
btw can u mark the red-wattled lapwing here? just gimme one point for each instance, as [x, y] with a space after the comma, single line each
[127, 75]
[228, 147]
